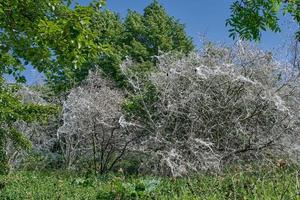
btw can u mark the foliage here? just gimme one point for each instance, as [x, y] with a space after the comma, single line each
[179, 111]
[154, 32]
[140, 37]
[48, 35]
[12, 109]
[249, 182]
[250, 17]
[66, 43]
[147, 36]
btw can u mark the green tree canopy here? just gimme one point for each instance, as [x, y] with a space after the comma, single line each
[49, 35]
[140, 37]
[64, 43]
[250, 17]
[154, 31]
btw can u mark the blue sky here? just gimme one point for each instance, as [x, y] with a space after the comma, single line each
[199, 16]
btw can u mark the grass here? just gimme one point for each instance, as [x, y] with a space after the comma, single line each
[263, 183]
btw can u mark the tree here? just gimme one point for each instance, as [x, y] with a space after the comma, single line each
[36, 33]
[12, 109]
[65, 43]
[154, 32]
[50, 36]
[42, 136]
[250, 17]
[147, 36]
[140, 37]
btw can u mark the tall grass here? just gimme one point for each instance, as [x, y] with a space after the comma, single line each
[249, 182]
[240, 183]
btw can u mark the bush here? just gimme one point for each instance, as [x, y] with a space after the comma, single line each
[213, 108]
[92, 131]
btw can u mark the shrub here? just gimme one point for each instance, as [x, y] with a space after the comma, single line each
[92, 130]
[213, 108]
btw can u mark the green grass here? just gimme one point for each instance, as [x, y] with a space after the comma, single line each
[251, 183]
